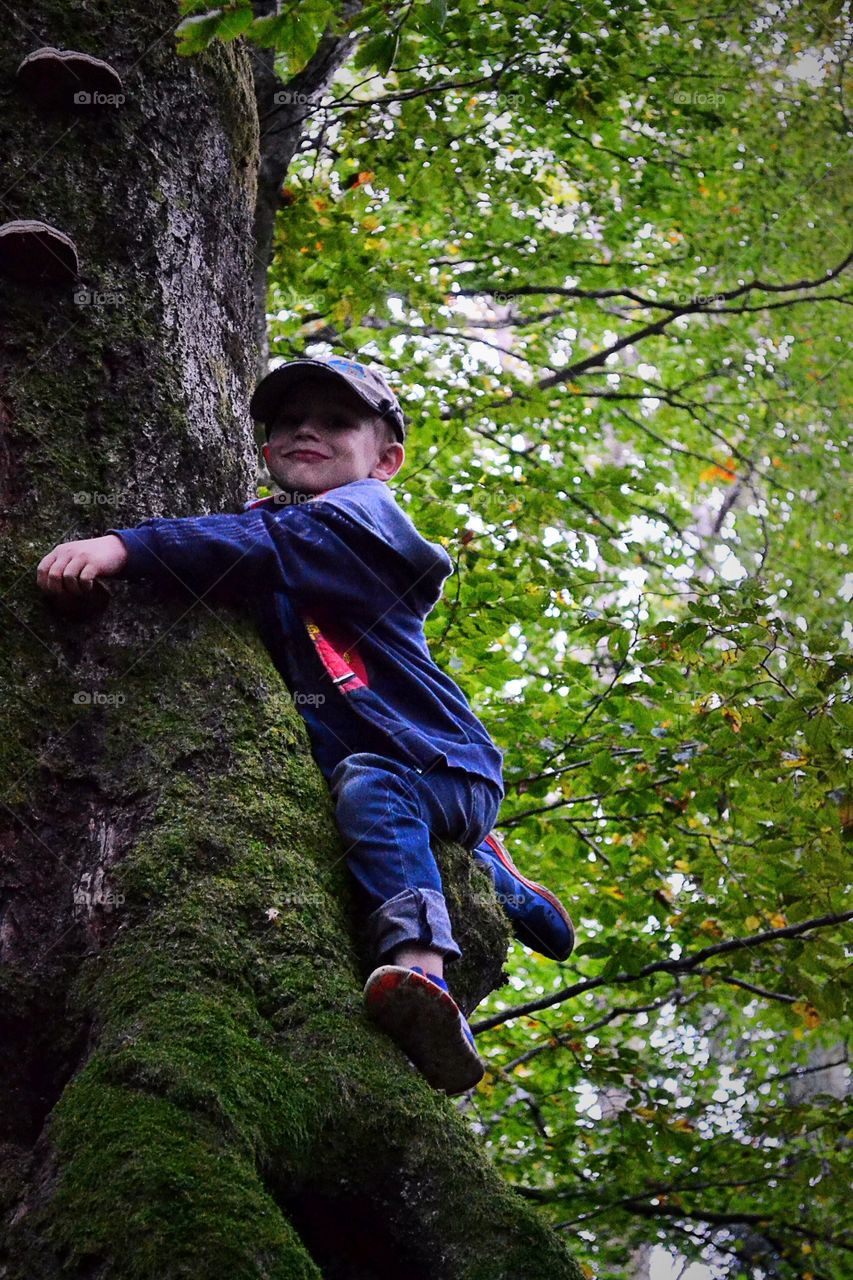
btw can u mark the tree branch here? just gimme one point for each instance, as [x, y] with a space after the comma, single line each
[685, 964]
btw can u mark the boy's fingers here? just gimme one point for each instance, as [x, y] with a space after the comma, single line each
[71, 574]
[51, 578]
[43, 567]
[62, 574]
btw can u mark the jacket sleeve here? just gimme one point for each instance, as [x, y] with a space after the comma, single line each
[313, 553]
[219, 554]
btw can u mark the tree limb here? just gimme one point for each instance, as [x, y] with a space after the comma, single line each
[685, 964]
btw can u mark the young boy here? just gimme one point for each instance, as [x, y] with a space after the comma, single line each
[339, 582]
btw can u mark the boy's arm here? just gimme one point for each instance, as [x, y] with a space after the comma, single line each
[199, 552]
[310, 552]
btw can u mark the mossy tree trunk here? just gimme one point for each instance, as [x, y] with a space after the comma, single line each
[189, 1087]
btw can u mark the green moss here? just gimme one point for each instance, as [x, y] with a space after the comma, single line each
[234, 1067]
[178, 1200]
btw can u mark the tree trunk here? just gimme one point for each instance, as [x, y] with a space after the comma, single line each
[189, 1087]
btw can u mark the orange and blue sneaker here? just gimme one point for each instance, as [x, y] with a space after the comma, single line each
[538, 917]
[418, 1012]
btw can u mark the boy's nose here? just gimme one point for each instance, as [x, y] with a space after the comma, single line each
[308, 431]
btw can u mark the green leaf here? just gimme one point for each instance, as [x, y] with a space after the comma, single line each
[196, 33]
[437, 11]
[379, 52]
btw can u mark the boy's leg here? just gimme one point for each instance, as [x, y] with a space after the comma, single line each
[383, 814]
[386, 812]
[538, 917]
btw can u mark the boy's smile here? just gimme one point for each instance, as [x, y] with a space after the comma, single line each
[325, 436]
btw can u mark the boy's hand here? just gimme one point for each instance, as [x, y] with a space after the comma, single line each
[72, 567]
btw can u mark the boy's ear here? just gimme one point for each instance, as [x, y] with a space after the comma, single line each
[390, 461]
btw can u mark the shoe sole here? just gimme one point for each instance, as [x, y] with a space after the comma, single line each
[503, 857]
[426, 1023]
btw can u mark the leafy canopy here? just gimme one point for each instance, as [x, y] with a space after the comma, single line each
[601, 250]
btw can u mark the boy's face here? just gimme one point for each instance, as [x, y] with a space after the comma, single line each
[324, 437]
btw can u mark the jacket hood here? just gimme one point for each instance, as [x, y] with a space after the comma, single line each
[370, 503]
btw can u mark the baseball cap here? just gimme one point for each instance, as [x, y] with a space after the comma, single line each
[368, 383]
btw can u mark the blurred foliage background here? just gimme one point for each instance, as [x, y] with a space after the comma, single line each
[601, 251]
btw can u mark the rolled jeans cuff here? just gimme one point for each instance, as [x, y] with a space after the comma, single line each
[415, 917]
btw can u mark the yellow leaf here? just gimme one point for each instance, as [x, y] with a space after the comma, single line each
[613, 891]
[342, 310]
[734, 718]
[752, 922]
[587, 1271]
[370, 223]
[778, 921]
[711, 926]
[808, 1013]
[795, 764]
[681, 864]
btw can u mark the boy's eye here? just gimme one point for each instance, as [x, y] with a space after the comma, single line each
[289, 422]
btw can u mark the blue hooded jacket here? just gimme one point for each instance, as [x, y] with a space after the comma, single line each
[339, 585]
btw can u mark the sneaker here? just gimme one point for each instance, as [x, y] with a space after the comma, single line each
[417, 1011]
[538, 917]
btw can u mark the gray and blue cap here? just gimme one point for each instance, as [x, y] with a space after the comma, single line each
[367, 382]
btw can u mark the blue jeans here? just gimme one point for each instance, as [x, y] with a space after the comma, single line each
[385, 811]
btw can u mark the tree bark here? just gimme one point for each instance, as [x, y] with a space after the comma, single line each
[189, 1087]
